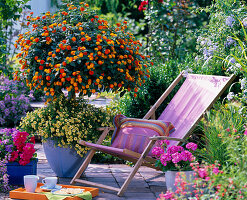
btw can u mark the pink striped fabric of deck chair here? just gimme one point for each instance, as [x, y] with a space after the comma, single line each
[133, 134]
[195, 96]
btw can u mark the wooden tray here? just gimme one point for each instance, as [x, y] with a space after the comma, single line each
[21, 193]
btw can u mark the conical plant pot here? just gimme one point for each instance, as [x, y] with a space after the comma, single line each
[65, 162]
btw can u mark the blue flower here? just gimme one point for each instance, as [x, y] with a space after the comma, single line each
[229, 41]
[229, 21]
[230, 96]
[232, 60]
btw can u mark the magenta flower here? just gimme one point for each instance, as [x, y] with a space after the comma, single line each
[186, 155]
[216, 170]
[176, 157]
[202, 172]
[191, 146]
[174, 149]
[157, 151]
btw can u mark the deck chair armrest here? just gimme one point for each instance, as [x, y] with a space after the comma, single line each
[103, 128]
[166, 138]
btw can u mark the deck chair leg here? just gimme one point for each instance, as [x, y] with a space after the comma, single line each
[136, 167]
[83, 166]
[89, 157]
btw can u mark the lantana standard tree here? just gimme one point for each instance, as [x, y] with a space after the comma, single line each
[75, 50]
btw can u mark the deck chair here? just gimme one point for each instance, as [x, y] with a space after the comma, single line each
[196, 95]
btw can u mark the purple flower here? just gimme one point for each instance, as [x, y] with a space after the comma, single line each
[229, 21]
[8, 148]
[191, 146]
[6, 112]
[2, 105]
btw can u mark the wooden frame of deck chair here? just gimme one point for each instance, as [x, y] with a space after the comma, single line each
[196, 95]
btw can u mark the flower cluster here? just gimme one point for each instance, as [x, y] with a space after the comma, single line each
[12, 109]
[17, 146]
[209, 183]
[75, 50]
[66, 121]
[174, 157]
[142, 6]
[208, 47]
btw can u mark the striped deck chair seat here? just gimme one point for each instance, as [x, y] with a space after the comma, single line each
[133, 134]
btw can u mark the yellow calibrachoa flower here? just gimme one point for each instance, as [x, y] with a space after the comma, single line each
[66, 122]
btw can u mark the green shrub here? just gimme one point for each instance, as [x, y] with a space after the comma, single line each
[161, 76]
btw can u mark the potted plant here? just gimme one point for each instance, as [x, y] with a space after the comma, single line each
[173, 160]
[18, 149]
[76, 51]
[61, 124]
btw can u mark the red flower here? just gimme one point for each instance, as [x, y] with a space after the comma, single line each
[14, 156]
[41, 67]
[32, 139]
[64, 28]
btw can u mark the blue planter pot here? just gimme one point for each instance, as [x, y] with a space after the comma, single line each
[64, 162]
[16, 171]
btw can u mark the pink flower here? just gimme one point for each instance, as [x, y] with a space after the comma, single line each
[167, 142]
[176, 157]
[228, 129]
[216, 170]
[174, 149]
[245, 133]
[191, 146]
[186, 155]
[165, 157]
[167, 195]
[157, 151]
[202, 172]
